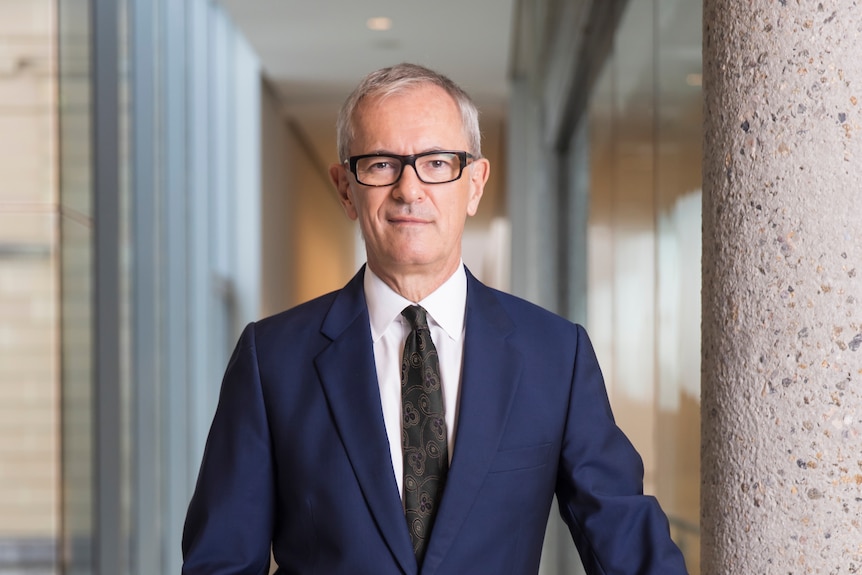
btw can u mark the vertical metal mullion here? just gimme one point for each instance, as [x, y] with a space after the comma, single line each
[106, 304]
[199, 293]
[174, 343]
[579, 207]
[220, 238]
[232, 221]
[145, 552]
[564, 232]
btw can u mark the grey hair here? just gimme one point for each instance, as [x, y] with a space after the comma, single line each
[398, 79]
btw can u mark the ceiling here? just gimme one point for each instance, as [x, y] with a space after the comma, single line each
[314, 52]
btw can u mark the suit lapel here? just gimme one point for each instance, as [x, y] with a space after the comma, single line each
[349, 378]
[492, 369]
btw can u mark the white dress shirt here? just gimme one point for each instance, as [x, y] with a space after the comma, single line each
[446, 308]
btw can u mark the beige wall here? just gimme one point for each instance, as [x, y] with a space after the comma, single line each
[324, 238]
[29, 443]
[278, 165]
[308, 243]
[486, 242]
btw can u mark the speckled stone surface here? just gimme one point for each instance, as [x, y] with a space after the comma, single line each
[782, 288]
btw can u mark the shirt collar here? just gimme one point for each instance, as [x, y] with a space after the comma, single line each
[445, 306]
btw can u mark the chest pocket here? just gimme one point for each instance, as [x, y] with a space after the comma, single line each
[520, 458]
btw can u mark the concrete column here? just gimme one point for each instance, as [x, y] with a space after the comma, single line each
[782, 287]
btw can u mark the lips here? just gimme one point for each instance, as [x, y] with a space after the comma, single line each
[407, 219]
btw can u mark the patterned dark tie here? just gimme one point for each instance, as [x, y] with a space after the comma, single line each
[423, 437]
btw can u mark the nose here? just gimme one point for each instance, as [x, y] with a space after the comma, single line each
[409, 188]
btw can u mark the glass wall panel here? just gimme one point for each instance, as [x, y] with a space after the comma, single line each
[77, 398]
[644, 247]
[194, 104]
[76, 338]
[678, 202]
[632, 221]
[600, 236]
[154, 96]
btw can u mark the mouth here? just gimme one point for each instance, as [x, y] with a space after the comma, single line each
[407, 220]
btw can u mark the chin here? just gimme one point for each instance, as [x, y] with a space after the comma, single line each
[412, 260]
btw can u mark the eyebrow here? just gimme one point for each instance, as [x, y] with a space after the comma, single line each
[382, 152]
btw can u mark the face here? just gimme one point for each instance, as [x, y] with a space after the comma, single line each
[410, 227]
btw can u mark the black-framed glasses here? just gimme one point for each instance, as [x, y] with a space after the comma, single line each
[437, 167]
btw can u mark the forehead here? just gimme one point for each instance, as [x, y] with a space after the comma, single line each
[419, 118]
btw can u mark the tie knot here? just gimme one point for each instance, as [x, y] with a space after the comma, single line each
[416, 315]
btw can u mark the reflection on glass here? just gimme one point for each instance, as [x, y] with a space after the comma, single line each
[678, 211]
[76, 296]
[644, 248]
[634, 232]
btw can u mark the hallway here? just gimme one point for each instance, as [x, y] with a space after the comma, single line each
[165, 169]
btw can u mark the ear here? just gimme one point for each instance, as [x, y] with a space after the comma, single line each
[341, 179]
[480, 170]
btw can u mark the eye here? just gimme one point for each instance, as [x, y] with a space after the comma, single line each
[381, 165]
[438, 163]
[378, 164]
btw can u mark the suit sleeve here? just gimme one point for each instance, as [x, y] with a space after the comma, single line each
[228, 528]
[617, 529]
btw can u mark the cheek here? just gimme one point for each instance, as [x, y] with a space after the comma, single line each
[370, 215]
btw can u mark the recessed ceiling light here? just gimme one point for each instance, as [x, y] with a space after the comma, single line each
[379, 24]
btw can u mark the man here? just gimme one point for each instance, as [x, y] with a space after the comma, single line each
[351, 443]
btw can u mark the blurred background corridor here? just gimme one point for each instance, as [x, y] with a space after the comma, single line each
[163, 181]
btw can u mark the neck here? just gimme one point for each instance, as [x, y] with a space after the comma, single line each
[414, 285]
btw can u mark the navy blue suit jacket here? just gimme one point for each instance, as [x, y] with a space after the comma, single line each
[298, 456]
